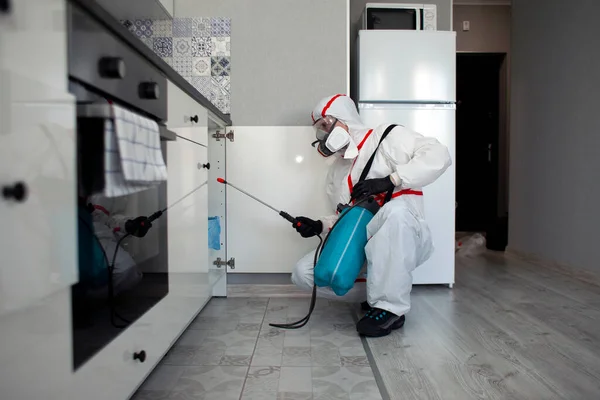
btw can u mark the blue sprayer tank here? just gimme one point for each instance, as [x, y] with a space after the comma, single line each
[343, 254]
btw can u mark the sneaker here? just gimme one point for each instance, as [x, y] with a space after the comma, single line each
[365, 306]
[378, 323]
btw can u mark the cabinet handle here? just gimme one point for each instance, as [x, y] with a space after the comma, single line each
[141, 356]
[16, 192]
[194, 119]
[5, 6]
[200, 165]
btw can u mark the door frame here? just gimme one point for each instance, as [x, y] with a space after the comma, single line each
[503, 129]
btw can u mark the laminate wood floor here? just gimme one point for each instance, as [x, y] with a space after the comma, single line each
[508, 330]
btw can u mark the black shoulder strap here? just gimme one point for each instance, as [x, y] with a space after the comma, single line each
[367, 168]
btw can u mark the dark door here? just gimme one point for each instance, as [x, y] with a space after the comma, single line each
[477, 132]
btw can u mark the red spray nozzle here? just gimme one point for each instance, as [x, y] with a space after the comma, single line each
[221, 180]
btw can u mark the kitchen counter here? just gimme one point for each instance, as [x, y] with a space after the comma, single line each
[123, 33]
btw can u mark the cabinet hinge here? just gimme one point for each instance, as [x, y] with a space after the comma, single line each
[220, 263]
[229, 135]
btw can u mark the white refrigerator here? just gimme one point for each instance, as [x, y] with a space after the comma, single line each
[408, 78]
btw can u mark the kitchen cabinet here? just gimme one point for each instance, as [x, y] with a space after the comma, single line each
[37, 147]
[33, 52]
[138, 9]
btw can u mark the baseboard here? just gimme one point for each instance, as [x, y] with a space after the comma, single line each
[579, 273]
[258, 279]
[252, 291]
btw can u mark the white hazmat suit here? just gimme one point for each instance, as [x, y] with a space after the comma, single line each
[399, 238]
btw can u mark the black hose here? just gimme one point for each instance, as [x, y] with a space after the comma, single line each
[300, 323]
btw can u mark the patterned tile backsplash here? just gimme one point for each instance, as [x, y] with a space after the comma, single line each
[199, 49]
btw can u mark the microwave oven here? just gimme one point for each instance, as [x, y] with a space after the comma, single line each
[415, 17]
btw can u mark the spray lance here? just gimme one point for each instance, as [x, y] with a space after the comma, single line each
[283, 214]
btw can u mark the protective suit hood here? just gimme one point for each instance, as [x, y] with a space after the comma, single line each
[343, 108]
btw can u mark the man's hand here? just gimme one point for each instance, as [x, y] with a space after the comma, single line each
[371, 187]
[307, 227]
[138, 227]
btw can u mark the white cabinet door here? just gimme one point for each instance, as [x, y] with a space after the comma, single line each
[38, 234]
[187, 195]
[183, 111]
[33, 50]
[279, 166]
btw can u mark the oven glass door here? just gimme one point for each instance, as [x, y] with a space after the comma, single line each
[393, 19]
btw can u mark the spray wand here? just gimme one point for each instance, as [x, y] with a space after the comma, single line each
[283, 214]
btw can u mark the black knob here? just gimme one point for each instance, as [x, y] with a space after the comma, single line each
[16, 192]
[141, 356]
[207, 165]
[194, 119]
[149, 91]
[111, 68]
[5, 6]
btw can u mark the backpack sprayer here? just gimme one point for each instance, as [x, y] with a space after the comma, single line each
[338, 264]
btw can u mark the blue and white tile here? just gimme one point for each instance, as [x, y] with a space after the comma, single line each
[182, 27]
[220, 27]
[182, 46]
[203, 84]
[221, 86]
[201, 66]
[201, 27]
[162, 27]
[143, 28]
[221, 46]
[163, 46]
[221, 66]
[183, 66]
[201, 46]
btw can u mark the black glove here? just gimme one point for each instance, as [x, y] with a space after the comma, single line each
[138, 227]
[307, 227]
[370, 187]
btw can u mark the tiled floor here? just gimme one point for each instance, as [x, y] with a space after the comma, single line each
[231, 352]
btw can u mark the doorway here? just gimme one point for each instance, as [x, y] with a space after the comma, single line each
[479, 80]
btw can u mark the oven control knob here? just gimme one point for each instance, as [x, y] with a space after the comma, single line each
[5, 6]
[111, 68]
[149, 90]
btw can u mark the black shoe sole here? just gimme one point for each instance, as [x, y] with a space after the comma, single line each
[396, 325]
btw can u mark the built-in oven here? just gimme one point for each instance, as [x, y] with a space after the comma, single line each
[119, 279]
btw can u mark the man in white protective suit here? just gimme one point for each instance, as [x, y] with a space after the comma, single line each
[399, 238]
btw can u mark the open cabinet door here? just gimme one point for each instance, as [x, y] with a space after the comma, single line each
[217, 251]
[279, 166]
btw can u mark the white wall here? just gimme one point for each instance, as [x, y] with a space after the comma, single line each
[555, 131]
[285, 55]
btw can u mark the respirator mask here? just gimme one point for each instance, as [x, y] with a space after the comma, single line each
[330, 138]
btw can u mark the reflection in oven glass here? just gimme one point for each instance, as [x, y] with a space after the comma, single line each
[121, 275]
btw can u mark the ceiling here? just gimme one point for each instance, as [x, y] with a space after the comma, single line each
[482, 2]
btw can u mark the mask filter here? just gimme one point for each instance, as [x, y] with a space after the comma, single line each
[333, 142]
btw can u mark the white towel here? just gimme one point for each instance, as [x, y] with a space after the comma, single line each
[133, 159]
